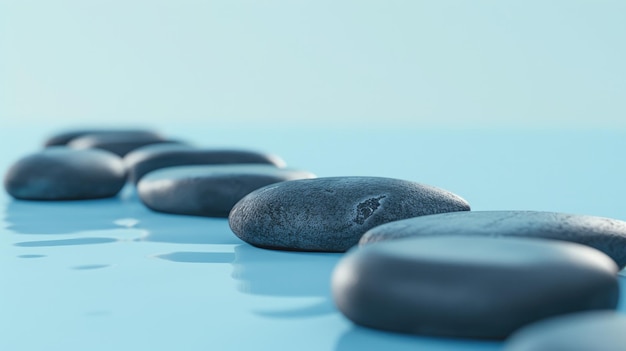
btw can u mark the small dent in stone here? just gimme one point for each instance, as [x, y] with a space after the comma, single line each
[366, 209]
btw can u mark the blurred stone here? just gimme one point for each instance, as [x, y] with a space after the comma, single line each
[157, 156]
[63, 138]
[208, 190]
[471, 287]
[590, 331]
[117, 143]
[61, 173]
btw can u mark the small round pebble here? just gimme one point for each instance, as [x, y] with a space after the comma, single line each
[605, 234]
[208, 190]
[331, 214]
[471, 287]
[152, 157]
[117, 143]
[61, 173]
[589, 331]
[63, 138]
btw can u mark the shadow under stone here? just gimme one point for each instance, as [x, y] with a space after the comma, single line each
[31, 256]
[198, 257]
[90, 266]
[66, 242]
[178, 229]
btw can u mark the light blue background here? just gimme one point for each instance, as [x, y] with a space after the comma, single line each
[450, 64]
[512, 105]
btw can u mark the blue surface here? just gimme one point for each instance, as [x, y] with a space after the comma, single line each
[110, 274]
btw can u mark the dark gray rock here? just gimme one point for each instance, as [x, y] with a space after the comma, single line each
[590, 331]
[152, 157]
[471, 287]
[331, 214]
[117, 143]
[63, 138]
[605, 234]
[61, 173]
[207, 190]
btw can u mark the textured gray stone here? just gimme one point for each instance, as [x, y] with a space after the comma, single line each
[331, 214]
[605, 234]
[207, 190]
[589, 331]
[63, 138]
[471, 287]
[61, 173]
[152, 157]
[117, 143]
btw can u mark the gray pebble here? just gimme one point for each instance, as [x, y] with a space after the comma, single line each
[207, 190]
[63, 138]
[331, 214]
[471, 287]
[61, 173]
[157, 156]
[590, 331]
[605, 234]
[117, 143]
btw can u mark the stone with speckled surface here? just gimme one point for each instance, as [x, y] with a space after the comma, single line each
[330, 214]
[152, 157]
[208, 190]
[605, 234]
[61, 173]
[471, 287]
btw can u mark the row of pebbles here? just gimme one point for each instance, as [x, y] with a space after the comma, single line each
[419, 260]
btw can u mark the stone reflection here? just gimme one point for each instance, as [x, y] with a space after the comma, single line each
[359, 338]
[286, 274]
[64, 217]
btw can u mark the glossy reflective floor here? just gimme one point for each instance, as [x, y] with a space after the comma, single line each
[112, 275]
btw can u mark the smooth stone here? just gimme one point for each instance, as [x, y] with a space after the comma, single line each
[605, 234]
[61, 173]
[63, 138]
[152, 157]
[331, 214]
[117, 143]
[471, 287]
[590, 331]
[208, 190]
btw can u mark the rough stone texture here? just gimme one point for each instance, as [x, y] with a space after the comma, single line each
[117, 143]
[605, 234]
[331, 214]
[61, 173]
[471, 287]
[152, 157]
[590, 331]
[208, 190]
[63, 138]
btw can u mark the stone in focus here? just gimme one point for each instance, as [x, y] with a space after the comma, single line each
[590, 331]
[471, 287]
[117, 143]
[61, 173]
[152, 157]
[605, 234]
[63, 138]
[208, 190]
[331, 214]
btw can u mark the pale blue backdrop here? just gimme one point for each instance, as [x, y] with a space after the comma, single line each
[510, 104]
